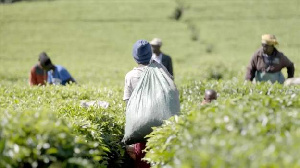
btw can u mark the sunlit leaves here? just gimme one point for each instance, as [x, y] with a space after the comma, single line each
[45, 126]
[248, 126]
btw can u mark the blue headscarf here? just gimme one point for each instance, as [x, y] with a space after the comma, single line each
[142, 52]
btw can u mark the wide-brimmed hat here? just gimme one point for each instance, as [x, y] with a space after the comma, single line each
[269, 39]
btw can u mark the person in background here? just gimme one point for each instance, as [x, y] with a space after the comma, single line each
[267, 62]
[209, 96]
[38, 76]
[142, 54]
[160, 57]
[56, 73]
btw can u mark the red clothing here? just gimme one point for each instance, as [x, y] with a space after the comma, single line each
[138, 148]
[38, 76]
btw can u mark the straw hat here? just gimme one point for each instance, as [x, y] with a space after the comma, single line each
[269, 39]
[156, 41]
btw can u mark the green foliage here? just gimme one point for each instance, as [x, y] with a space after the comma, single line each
[211, 40]
[39, 139]
[248, 126]
[45, 126]
[102, 125]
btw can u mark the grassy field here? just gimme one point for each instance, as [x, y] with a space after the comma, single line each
[249, 126]
[93, 39]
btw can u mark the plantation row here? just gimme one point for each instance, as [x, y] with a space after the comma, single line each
[248, 126]
[43, 126]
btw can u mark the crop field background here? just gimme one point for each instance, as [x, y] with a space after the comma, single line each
[211, 45]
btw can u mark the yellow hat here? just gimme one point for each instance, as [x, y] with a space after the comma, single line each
[269, 39]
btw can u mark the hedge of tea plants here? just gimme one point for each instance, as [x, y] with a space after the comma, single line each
[46, 126]
[248, 126]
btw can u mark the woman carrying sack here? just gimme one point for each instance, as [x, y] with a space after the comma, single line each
[151, 97]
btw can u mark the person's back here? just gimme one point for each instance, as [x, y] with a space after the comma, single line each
[45, 71]
[131, 80]
[59, 75]
[142, 54]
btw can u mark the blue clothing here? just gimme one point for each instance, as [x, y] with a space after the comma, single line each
[60, 73]
[266, 76]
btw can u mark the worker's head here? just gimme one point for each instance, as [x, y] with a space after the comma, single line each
[268, 42]
[156, 43]
[45, 61]
[142, 52]
[210, 95]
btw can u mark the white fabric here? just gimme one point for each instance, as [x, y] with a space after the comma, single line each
[154, 100]
[94, 103]
[131, 80]
[157, 58]
[292, 81]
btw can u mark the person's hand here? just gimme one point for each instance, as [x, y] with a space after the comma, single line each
[204, 102]
[131, 152]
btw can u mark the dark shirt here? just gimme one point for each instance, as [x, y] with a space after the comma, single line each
[270, 64]
[167, 62]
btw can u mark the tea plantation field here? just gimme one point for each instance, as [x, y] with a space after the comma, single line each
[250, 125]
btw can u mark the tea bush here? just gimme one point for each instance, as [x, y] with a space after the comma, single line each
[94, 42]
[46, 126]
[248, 126]
[39, 139]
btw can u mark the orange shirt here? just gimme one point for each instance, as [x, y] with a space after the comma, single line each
[38, 76]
